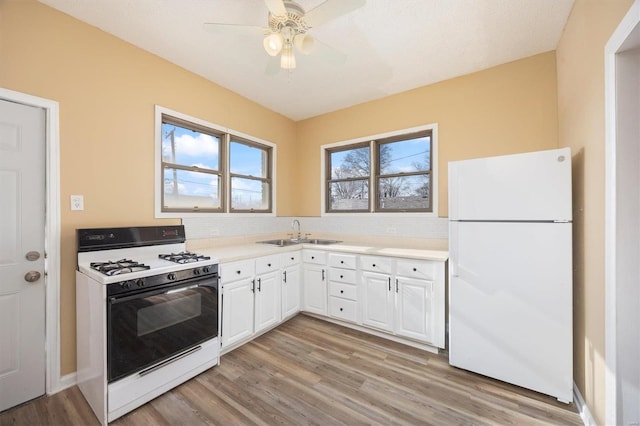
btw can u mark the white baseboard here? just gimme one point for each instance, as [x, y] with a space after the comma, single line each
[583, 409]
[64, 382]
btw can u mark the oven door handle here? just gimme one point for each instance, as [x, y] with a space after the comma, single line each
[114, 300]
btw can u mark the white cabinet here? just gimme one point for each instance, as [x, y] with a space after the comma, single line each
[251, 300]
[237, 301]
[315, 281]
[404, 296]
[291, 282]
[343, 292]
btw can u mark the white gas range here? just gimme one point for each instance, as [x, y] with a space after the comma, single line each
[147, 315]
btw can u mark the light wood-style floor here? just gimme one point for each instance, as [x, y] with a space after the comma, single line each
[309, 371]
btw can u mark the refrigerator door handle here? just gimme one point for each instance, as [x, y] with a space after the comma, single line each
[453, 246]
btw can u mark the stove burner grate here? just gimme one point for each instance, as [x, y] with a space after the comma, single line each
[183, 257]
[122, 266]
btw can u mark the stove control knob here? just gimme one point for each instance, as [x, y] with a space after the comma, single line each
[126, 285]
[196, 271]
[206, 270]
[171, 276]
[140, 282]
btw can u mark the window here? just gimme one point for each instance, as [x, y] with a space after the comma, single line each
[402, 179]
[204, 169]
[250, 171]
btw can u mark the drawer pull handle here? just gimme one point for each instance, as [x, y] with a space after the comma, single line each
[293, 258]
[313, 257]
[269, 265]
[341, 276]
[374, 265]
[238, 272]
[340, 309]
[341, 291]
[342, 261]
[414, 269]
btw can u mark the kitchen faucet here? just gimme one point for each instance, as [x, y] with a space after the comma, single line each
[293, 226]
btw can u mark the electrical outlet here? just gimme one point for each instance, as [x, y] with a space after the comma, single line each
[392, 230]
[77, 202]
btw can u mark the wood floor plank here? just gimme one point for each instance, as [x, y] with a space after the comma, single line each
[312, 372]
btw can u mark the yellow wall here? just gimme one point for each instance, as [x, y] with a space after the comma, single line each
[580, 57]
[506, 109]
[107, 90]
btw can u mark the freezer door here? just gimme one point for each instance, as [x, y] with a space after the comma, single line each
[532, 186]
[510, 312]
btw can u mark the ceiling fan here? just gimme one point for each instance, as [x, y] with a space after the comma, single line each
[288, 24]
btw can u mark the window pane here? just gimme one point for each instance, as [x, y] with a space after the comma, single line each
[189, 147]
[411, 155]
[247, 194]
[349, 195]
[248, 160]
[350, 163]
[186, 189]
[404, 192]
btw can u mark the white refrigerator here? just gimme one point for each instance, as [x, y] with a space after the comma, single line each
[510, 269]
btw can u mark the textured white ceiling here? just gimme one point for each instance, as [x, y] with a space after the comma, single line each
[390, 45]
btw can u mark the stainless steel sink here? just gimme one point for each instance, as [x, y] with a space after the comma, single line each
[283, 242]
[321, 242]
[280, 243]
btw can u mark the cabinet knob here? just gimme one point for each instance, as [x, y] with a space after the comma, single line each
[342, 261]
[341, 291]
[374, 265]
[340, 309]
[238, 272]
[341, 276]
[269, 265]
[292, 258]
[313, 257]
[414, 269]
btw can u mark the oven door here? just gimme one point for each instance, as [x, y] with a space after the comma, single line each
[153, 326]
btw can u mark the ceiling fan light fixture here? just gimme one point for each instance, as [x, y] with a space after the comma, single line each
[287, 59]
[273, 43]
[304, 43]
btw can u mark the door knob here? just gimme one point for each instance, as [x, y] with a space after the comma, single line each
[32, 276]
[32, 255]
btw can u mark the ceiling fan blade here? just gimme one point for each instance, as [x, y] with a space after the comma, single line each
[216, 28]
[331, 9]
[276, 7]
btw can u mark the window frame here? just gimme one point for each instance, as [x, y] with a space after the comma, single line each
[329, 180]
[225, 184]
[268, 179]
[374, 141]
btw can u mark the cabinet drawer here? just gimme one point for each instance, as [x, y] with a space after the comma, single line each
[237, 270]
[421, 269]
[342, 275]
[314, 256]
[290, 259]
[267, 264]
[343, 309]
[343, 260]
[345, 291]
[376, 264]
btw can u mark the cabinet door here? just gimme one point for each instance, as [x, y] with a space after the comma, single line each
[267, 300]
[414, 308]
[237, 311]
[290, 291]
[377, 301]
[315, 289]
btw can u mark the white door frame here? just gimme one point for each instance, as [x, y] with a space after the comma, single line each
[619, 40]
[54, 382]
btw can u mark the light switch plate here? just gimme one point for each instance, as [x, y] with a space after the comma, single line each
[77, 202]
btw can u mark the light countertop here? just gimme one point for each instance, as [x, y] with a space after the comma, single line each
[235, 252]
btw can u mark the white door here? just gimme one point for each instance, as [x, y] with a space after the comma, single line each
[315, 289]
[22, 228]
[291, 291]
[267, 304]
[237, 311]
[377, 301]
[532, 186]
[414, 313]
